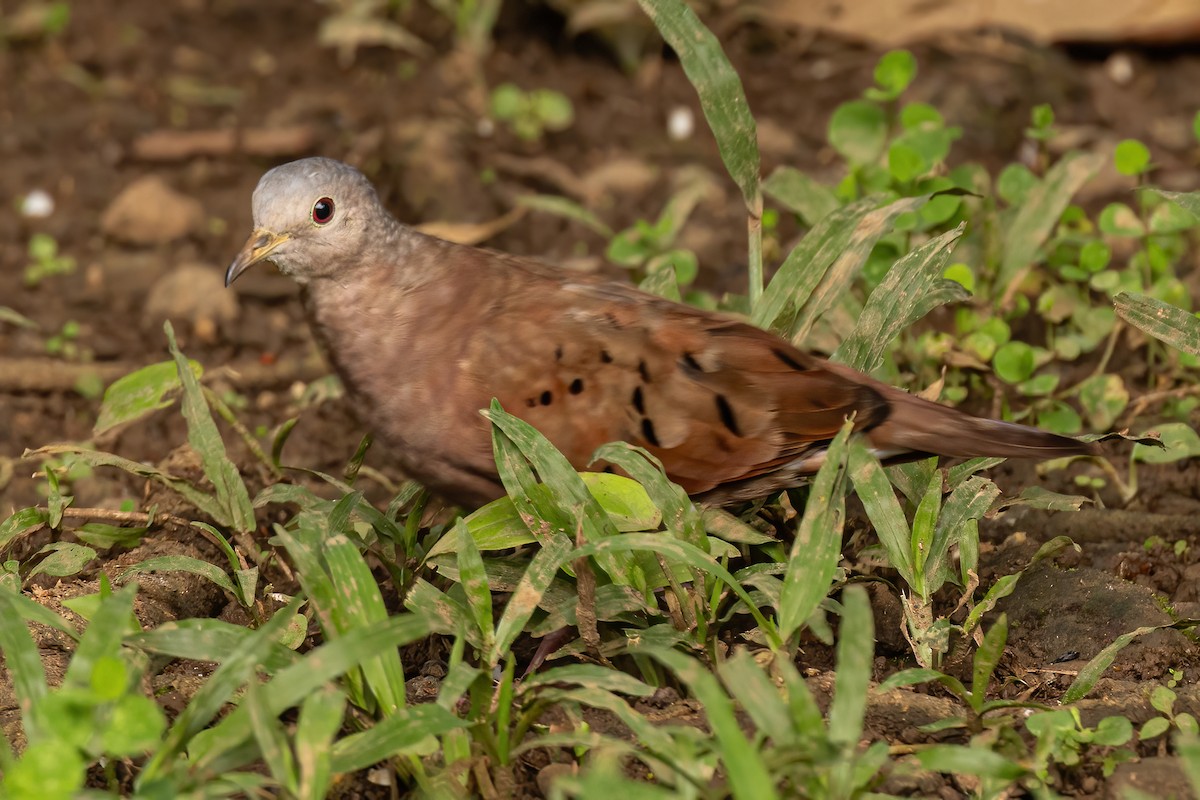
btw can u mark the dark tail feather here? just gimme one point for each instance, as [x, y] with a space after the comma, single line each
[923, 426]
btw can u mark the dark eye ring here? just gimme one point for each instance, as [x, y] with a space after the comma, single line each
[322, 210]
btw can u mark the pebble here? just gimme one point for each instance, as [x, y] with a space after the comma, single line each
[192, 293]
[148, 212]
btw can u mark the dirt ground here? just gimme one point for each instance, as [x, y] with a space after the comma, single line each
[86, 115]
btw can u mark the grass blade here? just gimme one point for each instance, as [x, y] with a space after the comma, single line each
[272, 741]
[758, 696]
[1085, 681]
[855, 653]
[911, 289]
[1038, 215]
[221, 749]
[473, 579]
[321, 716]
[1188, 201]
[806, 264]
[544, 565]
[1165, 322]
[359, 605]
[840, 275]
[749, 778]
[800, 194]
[205, 439]
[193, 566]
[203, 502]
[139, 393]
[206, 640]
[986, 659]
[23, 664]
[679, 551]
[571, 506]
[719, 88]
[393, 736]
[818, 542]
[883, 509]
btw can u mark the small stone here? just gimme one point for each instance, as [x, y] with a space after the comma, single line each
[681, 123]
[192, 293]
[549, 774]
[149, 212]
[38, 204]
[1119, 69]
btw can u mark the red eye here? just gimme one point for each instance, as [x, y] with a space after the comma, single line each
[322, 210]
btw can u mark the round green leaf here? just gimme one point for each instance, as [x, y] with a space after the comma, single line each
[961, 273]
[42, 247]
[980, 345]
[1014, 362]
[1131, 157]
[1067, 348]
[1107, 281]
[1171, 218]
[1162, 698]
[1154, 728]
[46, 770]
[1180, 442]
[109, 678]
[135, 725]
[1042, 116]
[894, 72]
[1118, 219]
[1094, 256]
[1103, 397]
[507, 100]
[1060, 418]
[920, 115]
[997, 329]
[1015, 183]
[1113, 732]
[939, 209]
[1070, 272]
[905, 162]
[1039, 385]
[553, 109]
[858, 130]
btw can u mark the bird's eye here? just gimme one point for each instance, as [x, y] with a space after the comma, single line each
[322, 210]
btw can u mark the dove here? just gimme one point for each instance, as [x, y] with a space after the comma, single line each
[424, 333]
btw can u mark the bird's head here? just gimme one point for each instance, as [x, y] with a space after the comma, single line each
[311, 218]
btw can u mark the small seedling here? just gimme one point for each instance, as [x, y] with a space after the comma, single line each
[65, 343]
[531, 114]
[45, 260]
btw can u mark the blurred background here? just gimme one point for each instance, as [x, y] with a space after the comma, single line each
[132, 135]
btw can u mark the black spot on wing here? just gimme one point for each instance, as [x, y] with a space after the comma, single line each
[648, 432]
[576, 386]
[873, 408]
[787, 358]
[690, 363]
[639, 400]
[644, 371]
[727, 416]
[546, 398]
